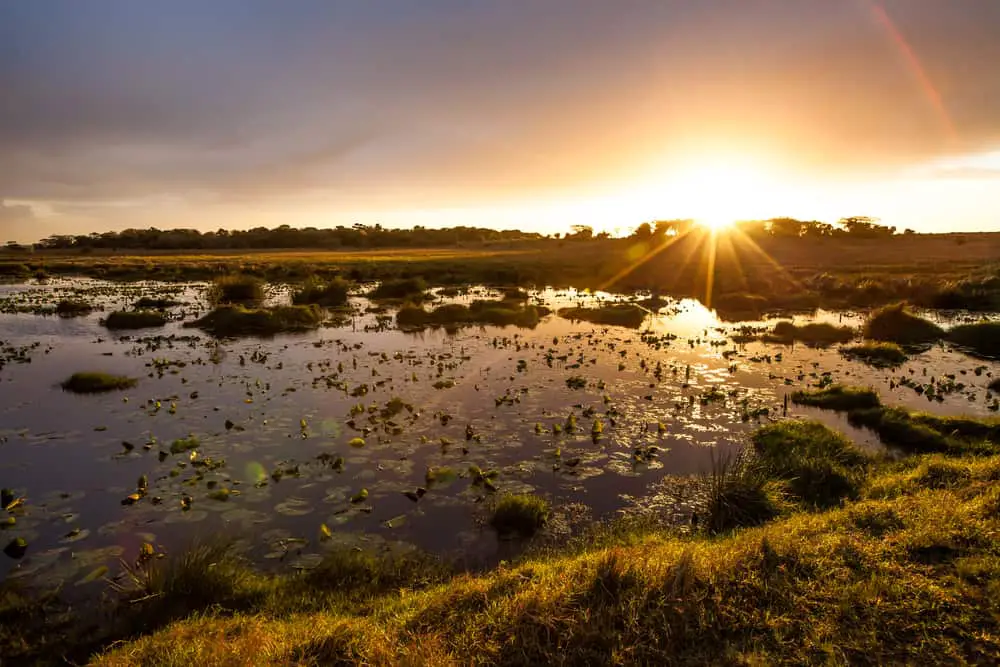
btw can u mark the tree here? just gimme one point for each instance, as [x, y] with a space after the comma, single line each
[862, 226]
[643, 232]
[582, 232]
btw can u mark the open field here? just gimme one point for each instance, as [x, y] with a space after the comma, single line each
[733, 272]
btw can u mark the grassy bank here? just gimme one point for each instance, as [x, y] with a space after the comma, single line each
[804, 550]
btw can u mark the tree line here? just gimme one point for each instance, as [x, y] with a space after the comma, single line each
[376, 236]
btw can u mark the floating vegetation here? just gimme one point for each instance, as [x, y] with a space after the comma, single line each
[96, 383]
[817, 334]
[182, 445]
[623, 315]
[236, 289]
[234, 321]
[878, 354]
[330, 294]
[155, 303]
[135, 319]
[519, 515]
[896, 324]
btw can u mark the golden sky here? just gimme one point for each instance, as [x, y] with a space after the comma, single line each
[536, 115]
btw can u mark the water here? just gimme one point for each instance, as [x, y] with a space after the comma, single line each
[279, 412]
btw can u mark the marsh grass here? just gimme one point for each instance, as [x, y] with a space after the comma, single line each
[838, 397]
[740, 494]
[817, 334]
[96, 383]
[73, 308]
[413, 289]
[330, 294]
[235, 321]
[135, 319]
[981, 339]
[519, 515]
[878, 354]
[155, 303]
[236, 289]
[623, 315]
[896, 324]
[496, 313]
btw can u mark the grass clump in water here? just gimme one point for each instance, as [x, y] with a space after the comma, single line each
[896, 324]
[924, 433]
[236, 289]
[816, 333]
[879, 354]
[96, 383]
[73, 308]
[482, 312]
[331, 294]
[233, 321]
[981, 339]
[622, 315]
[838, 397]
[519, 515]
[818, 466]
[155, 303]
[402, 289]
[135, 319]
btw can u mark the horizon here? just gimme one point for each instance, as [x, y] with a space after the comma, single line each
[514, 116]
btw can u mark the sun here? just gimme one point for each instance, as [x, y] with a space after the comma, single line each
[716, 225]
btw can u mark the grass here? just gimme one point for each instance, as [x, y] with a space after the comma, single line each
[819, 466]
[878, 354]
[403, 289]
[622, 315]
[135, 319]
[155, 303]
[896, 565]
[896, 324]
[235, 321]
[96, 383]
[838, 397]
[236, 289]
[497, 313]
[981, 339]
[73, 308]
[330, 294]
[519, 515]
[817, 333]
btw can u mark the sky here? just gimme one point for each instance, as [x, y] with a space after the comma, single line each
[515, 114]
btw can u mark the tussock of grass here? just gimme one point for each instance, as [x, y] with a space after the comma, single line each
[915, 572]
[331, 294]
[623, 315]
[409, 289]
[135, 319]
[817, 333]
[519, 515]
[896, 324]
[96, 383]
[154, 303]
[981, 339]
[236, 289]
[73, 308]
[232, 321]
[497, 313]
[879, 354]
[740, 494]
[838, 397]
[819, 466]
[896, 428]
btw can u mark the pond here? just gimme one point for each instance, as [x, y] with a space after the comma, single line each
[364, 434]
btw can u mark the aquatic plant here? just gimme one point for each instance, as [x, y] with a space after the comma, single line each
[234, 321]
[623, 315]
[73, 308]
[330, 294]
[981, 339]
[410, 289]
[896, 324]
[95, 383]
[739, 494]
[879, 354]
[135, 319]
[236, 289]
[519, 515]
[815, 333]
[838, 397]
